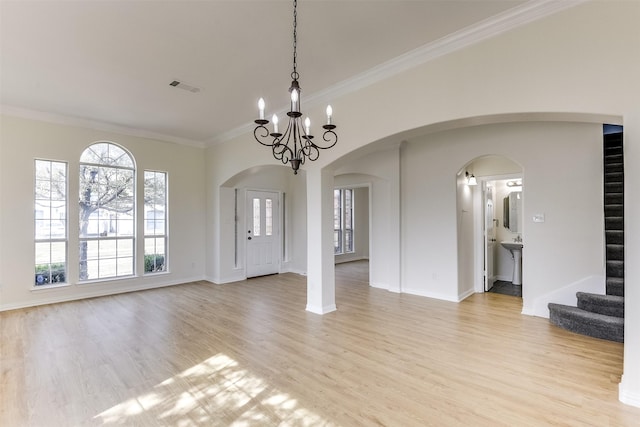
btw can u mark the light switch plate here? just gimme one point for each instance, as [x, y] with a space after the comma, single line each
[538, 217]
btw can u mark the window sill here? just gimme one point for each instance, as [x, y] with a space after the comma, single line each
[156, 273]
[51, 286]
[105, 280]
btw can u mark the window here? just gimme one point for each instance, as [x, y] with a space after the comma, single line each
[106, 212]
[155, 222]
[256, 217]
[50, 215]
[342, 221]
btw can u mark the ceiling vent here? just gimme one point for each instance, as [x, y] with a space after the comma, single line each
[185, 86]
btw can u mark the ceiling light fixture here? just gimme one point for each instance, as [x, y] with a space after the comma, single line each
[295, 144]
[515, 183]
[471, 179]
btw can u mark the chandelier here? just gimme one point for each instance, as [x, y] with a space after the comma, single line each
[295, 144]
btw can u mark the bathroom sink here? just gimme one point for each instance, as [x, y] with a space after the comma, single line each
[512, 246]
[516, 252]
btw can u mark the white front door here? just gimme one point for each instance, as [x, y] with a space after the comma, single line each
[263, 231]
[489, 236]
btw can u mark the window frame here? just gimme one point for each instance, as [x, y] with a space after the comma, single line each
[103, 241]
[164, 235]
[340, 214]
[50, 240]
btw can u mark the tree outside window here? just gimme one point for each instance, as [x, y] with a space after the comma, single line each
[155, 222]
[106, 212]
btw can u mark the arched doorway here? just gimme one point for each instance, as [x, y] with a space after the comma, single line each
[491, 223]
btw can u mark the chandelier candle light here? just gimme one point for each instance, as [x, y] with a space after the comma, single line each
[295, 144]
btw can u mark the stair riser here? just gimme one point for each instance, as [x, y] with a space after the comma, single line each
[613, 160]
[613, 187]
[613, 177]
[617, 311]
[611, 150]
[615, 289]
[614, 210]
[615, 269]
[614, 199]
[614, 223]
[613, 167]
[614, 237]
[615, 253]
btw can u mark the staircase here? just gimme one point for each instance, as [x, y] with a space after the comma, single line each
[602, 316]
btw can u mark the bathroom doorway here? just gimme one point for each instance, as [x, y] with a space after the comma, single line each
[503, 243]
[497, 216]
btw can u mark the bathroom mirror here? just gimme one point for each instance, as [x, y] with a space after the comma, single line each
[512, 209]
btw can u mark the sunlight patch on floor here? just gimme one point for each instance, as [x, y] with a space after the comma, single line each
[217, 391]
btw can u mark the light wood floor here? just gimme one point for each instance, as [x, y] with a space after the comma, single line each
[249, 354]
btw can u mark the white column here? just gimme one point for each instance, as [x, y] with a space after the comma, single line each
[630, 384]
[321, 293]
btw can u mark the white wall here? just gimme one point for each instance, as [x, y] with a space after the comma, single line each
[24, 140]
[573, 227]
[554, 66]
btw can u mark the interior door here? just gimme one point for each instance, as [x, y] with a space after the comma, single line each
[489, 235]
[263, 231]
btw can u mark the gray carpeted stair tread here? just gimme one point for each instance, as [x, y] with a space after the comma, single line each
[587, 323]
[602, 316]
[610, 305]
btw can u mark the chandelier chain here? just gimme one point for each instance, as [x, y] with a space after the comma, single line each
[295, 144]
[294, 74]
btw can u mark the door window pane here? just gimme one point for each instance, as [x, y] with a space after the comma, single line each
[268, 217]
[256, 217]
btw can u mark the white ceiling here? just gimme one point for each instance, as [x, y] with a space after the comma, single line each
[109, 63]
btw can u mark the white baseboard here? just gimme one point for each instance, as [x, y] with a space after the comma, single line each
[322, 310]
[434, 295]
[95, 292]
[339, 259]
[237, 276]
[379, 285]
[565, 295]
[466, 295]
[294, 270]
[627, 396]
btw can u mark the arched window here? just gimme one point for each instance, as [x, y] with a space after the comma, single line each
[106, 212]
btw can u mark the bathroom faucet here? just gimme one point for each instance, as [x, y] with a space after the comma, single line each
[518, 239]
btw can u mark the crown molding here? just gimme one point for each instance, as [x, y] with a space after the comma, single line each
[25, 113]
[496, 25]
